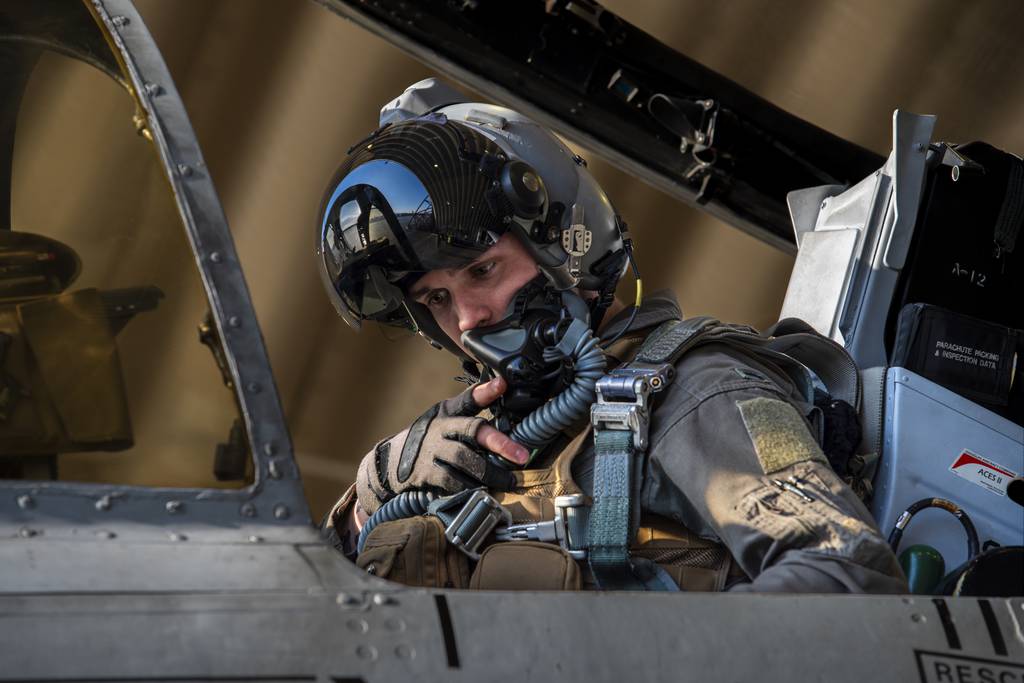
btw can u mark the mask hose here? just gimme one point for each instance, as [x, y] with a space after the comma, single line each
[405, 504]
[543, 424]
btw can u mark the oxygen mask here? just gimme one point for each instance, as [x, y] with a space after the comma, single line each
[548, 355]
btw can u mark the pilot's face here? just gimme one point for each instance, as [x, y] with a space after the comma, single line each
[479, 293]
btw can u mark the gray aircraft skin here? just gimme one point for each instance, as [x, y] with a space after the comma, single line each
[101, 582]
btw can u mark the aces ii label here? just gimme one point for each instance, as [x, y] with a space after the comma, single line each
[982, 472]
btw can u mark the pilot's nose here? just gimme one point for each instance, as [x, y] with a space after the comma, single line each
[473, 314]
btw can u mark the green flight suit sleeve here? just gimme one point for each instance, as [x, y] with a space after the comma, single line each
[719, 439]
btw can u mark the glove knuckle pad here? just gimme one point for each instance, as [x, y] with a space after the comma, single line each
[413, 442]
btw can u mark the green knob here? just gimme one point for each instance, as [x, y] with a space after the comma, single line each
[924, 568]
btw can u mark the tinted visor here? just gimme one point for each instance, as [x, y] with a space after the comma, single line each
[386, 222]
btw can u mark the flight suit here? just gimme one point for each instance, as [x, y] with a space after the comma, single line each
[726, 437]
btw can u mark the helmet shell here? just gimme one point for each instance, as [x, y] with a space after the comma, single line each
[565, 176]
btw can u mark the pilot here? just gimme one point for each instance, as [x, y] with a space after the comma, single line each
[478, 229]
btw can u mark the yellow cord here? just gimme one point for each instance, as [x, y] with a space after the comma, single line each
[639, 291]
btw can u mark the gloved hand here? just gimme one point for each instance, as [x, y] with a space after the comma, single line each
[443, 450]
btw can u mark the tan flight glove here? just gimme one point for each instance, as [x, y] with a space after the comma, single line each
[439, 452]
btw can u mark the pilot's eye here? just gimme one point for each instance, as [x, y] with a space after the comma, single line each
[437, 298]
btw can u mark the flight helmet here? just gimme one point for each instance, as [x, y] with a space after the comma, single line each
[440, 182]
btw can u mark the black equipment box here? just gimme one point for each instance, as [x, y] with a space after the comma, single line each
[974, 358]
[964, 254]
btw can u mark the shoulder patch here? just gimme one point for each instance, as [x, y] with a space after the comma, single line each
[779, 434]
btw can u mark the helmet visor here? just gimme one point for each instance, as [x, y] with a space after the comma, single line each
[416, 197]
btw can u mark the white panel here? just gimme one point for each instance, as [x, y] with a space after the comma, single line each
[819, 279]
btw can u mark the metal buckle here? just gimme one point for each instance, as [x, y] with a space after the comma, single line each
[566, 529]
[474, 522]
[622, 399]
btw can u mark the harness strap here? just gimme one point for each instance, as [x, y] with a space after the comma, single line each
[614, 509]
[674, 338]
[620, 419]
[621, 416]
[791, 337]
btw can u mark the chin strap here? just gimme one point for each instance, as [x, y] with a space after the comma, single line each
[613, 271]
[600, 304]
[627, 245]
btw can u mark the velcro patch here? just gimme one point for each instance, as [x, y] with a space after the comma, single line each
[779, 435]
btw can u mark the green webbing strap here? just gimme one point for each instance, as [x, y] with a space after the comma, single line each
[618, 468]
[670, 341]
[611, 524]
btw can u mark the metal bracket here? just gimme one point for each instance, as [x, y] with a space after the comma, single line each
[475, 521]
[576, 241]
[956, 161]
[567, 529]
[692, 120]
[622, 399]
[911, 135]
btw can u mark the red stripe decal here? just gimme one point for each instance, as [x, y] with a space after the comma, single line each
[969, 459]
